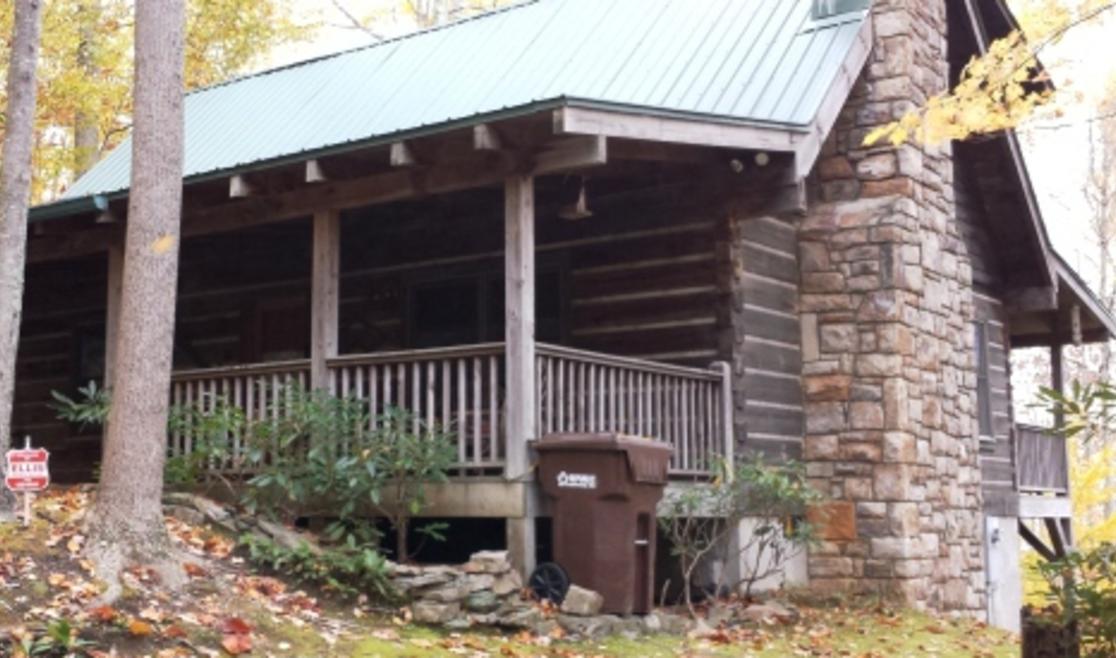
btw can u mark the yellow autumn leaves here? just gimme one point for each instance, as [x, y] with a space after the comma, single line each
[1001, 88]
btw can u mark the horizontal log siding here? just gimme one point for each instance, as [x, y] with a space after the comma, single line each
[975, 217]
[638, 277]
[761, 325]
[997, 457]
[64, 302]
[639, 280]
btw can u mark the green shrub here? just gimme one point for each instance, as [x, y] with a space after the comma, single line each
[90, 408]
[58, 638]
[347, 569]
[325, 456]
[1083, 594]
[700, 521]
[211, 432]
[310, 454]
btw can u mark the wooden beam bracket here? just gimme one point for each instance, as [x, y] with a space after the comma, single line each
[401, 155]
[240, 187]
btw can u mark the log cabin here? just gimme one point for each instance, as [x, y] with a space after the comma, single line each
[637, 216]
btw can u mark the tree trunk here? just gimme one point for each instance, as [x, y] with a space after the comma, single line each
[15, 194]
[87, 140]
[126, 522]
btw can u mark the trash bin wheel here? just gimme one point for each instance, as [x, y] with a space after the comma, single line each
[550, 582]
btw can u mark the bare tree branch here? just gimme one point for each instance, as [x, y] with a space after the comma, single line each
[354, 22]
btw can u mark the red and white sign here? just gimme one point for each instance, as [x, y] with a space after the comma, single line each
[27, 470]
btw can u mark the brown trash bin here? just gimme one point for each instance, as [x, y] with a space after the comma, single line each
[604, 489]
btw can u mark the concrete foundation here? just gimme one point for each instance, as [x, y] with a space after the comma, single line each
[1005, 575]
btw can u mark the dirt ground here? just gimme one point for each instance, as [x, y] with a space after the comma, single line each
[49, 607]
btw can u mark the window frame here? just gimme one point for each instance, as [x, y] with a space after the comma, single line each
[986, 429]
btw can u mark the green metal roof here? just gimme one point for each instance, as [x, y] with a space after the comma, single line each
[751, 61]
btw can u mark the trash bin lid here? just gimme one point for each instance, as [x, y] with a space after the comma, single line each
[647, 459]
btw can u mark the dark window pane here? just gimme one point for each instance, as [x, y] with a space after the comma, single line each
[984, 391]
[445, 314]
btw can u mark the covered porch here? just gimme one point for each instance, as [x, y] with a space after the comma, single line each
[464, 390]
[550, 273]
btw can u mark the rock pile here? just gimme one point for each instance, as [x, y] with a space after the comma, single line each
[487, 591]
[484, 592]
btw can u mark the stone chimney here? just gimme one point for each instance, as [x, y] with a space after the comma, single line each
[887, 346]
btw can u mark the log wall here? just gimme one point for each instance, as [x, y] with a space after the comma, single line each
[638, 278]
[997, 450]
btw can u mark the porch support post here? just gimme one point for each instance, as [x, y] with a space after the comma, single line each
[112, 307]
[519, 322]
[1058, 383]
[324, 295]
[1057, 378]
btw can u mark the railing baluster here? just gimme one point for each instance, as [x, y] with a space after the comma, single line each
[447, 396]
[386, 384]
[494, 443]
[550, 411]
[478, 403]
[614, 394]
[560, 395]
[415, 403]
[430, 386]
[462, 420]
[373, 396]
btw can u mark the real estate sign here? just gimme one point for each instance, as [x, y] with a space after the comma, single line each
[26, 469]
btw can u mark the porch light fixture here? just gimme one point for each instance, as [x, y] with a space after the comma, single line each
[579, 209]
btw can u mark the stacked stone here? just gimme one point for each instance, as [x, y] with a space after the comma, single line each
[480, 592]
[888, 376]
[486, 591]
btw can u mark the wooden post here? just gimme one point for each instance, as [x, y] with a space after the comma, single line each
[112, 308]
[519, 320]
[727, 409]
[1057, 381]
[324, 296]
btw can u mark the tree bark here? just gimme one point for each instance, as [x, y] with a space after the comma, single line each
[126, 523]
[15, 194]
[87, 139]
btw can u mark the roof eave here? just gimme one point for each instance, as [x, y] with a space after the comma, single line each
[755, 135]
[1084, 295]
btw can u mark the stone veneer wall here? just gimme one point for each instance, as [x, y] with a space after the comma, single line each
[886, 303]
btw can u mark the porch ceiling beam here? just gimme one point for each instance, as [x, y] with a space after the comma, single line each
[483, 169]
[606, 123]
[485, 138]
[402, 155]
[571, 154]
[240, 187]
[626, 149]
[1042, 298]
[314, 172]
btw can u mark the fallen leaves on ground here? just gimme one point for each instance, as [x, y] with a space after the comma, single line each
[228, 609]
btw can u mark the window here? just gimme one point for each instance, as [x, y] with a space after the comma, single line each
[470, 309]
[445, 313]
[90, 355]
[984, 390]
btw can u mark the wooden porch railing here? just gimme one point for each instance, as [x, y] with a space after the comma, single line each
[690, 408]
[253, 388]
[462, 389]
[457, 388]
[1042, 461]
